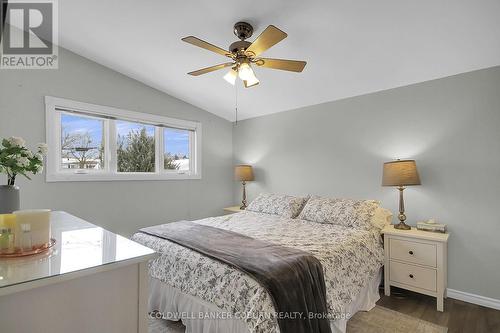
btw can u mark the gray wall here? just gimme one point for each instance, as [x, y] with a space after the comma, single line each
[450, 126]
[119, 206]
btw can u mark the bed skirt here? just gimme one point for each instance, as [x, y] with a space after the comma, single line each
[176, 305]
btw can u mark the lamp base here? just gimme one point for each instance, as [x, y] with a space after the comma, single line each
[402, 226]
[244, 201]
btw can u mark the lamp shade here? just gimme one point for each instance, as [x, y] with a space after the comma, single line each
[400, 173]
[243, 173]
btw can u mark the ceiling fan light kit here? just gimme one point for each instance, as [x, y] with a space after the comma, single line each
[231, 76]
[244, 54]
[251, 81]
[244, 71]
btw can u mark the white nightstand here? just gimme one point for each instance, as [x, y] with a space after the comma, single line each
[233, 209]
[416, 260]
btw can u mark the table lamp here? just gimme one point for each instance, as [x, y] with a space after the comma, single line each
[401, 173]
[243, 173]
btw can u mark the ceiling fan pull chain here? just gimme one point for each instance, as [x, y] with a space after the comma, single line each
[236, 104]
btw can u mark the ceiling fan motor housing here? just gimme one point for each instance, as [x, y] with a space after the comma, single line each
[243, 30]
[239, 47]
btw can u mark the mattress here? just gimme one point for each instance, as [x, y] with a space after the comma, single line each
[350, 258]
[175, 309]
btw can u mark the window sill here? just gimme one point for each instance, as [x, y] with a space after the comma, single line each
[60, 177]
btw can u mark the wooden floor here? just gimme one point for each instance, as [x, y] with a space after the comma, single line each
[458, 316]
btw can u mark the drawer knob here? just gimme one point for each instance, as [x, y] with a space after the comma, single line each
[411, 276]
[410, 252]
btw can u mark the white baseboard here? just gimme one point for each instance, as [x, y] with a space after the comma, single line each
[474, 299]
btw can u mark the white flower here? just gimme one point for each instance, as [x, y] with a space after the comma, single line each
[39, 156]
[43, 148]
[29, 154]
[23, 161]
[39, 169]
[17, 141]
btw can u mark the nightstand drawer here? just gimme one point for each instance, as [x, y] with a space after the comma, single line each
[413, 252]
[415, 276]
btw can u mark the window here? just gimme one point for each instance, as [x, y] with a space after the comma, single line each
[82, 142]
[176, 149]
[90, 142]
[135, 147]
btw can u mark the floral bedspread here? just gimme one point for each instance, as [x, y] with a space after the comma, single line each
[350, 257]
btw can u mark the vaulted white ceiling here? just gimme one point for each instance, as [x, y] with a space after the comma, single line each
[352, 47]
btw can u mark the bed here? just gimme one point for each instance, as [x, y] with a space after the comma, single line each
[210, 296]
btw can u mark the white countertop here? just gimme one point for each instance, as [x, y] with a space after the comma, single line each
[81, 248]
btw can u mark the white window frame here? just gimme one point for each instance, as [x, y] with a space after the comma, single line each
[54, 106]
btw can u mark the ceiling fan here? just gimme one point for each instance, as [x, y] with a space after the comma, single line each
[243, 54]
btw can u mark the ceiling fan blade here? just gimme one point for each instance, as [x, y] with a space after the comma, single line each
[282, 64]
[211, 69]
[206, 45]
[266, 39]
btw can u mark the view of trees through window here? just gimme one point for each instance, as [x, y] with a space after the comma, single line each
[135, 147]
[82, 142]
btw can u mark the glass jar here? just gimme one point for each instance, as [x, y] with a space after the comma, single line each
[6, 241]
[26, 241]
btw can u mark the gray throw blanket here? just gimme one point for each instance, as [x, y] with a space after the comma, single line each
[293, 278]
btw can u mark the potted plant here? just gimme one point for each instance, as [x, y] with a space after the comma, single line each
[16, 159]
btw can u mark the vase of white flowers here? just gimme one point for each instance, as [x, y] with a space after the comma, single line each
[16, 159]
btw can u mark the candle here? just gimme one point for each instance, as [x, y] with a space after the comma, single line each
[39, 221]
[8, 220]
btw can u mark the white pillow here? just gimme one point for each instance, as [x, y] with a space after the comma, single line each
[278, 204]
[346, 212]
[381, 218]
